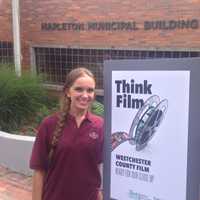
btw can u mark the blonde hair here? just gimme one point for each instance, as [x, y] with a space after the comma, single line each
[65, 105]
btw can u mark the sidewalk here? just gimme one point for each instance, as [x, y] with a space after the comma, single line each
[14, 186]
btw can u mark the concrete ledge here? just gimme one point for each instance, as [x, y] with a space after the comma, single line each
[15, 152]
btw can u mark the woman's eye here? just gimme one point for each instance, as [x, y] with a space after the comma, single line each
[90, 90]
[79, 89]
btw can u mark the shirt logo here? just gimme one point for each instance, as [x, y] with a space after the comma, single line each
[93, 135]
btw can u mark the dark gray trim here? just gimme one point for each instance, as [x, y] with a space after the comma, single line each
[107, 118]
[114, 47]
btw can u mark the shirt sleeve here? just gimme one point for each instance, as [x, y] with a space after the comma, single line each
[39, 156]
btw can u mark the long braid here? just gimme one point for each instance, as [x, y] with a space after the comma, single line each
[65, 105]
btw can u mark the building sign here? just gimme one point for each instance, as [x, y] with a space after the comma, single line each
[121, 25]
[147, 124]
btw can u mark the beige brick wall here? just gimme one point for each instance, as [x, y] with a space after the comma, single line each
[33, 13]
[5, 20]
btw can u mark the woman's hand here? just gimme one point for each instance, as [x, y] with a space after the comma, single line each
[100, 195]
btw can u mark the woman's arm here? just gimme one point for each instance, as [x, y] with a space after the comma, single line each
[38, 179]
[100, 193]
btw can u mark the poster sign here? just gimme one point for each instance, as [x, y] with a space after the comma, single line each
[147, 126]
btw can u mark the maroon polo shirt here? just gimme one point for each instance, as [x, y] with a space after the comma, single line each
[74, 173]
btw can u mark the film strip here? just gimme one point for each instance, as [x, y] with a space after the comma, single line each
[144, 125]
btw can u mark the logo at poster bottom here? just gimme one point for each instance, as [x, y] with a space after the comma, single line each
[144, 125]
[137, 196]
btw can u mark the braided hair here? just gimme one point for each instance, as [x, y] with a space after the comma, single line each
[65, 103]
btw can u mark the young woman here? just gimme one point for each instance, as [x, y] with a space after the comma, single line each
[67, 152]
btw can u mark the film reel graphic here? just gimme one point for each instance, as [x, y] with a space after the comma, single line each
[144, 125]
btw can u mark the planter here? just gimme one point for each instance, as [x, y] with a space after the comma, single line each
[15, 151]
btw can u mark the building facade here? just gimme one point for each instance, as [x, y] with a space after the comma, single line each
[57, 36]
[6, 41]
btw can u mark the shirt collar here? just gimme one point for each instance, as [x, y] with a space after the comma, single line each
[88, 117]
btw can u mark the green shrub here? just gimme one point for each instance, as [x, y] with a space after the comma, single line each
[24, 102]
[97, 108]
[44, 111]
[20, 98]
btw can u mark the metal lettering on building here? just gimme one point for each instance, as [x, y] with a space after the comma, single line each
[122, 25]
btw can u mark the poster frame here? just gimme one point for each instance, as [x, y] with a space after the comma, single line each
[193, 158]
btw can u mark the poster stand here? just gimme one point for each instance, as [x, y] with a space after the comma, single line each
[152, 129]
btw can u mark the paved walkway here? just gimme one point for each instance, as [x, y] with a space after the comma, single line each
[14, 186]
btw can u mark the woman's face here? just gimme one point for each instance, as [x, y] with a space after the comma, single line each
[81, 93]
